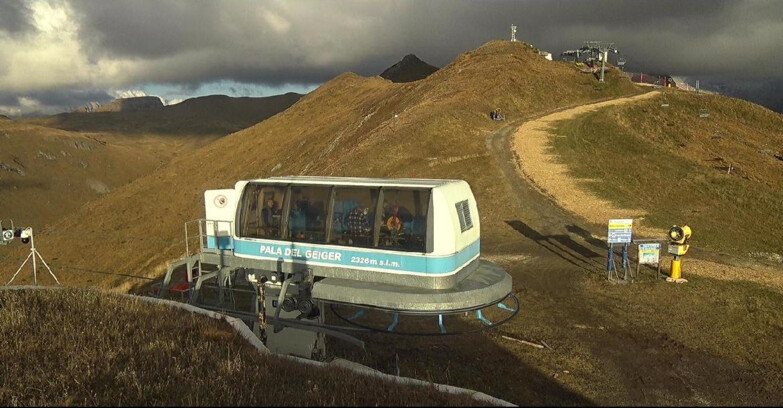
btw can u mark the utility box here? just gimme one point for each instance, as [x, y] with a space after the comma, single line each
[675, 249]
[298, 342]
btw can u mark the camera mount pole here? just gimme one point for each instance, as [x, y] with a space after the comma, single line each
[32, 254]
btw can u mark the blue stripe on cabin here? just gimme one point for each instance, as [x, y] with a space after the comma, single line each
[356, 258]
[223, 242]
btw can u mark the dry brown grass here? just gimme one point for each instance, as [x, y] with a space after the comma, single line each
[51, 166]
[79, 347]
[542, 167]
[711, 341]
[346, 127]
[47, 173]
[674, 165]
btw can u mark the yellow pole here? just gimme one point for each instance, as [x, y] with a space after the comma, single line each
[676, 268]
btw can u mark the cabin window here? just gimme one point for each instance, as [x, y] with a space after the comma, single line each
[368, 217]
[403, 221]
[463, 212]
[262, 212]
[308, 213]
[353, 216]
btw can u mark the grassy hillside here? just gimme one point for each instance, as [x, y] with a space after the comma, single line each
[712, 341]
[46, 173]
[346, 127]
[137, 354]
[675, 164]
[51, 166]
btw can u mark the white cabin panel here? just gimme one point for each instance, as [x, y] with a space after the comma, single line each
[455, 196]
[444, 217]
[220, 208]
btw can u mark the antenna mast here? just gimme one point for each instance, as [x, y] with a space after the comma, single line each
[513, 33]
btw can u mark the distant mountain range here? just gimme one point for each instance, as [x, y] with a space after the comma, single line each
[206, 115]
[125, 105]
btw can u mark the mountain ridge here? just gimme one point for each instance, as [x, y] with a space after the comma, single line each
[409, 69]
[349, 126]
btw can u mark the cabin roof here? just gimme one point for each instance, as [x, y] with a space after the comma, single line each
[358, 181]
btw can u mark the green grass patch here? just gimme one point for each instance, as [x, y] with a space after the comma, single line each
[675, 167]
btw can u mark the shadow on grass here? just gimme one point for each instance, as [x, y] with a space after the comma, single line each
[483, 362]
[564, 246]
[586, 235]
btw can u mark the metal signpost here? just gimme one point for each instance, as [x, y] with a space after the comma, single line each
[620, 232]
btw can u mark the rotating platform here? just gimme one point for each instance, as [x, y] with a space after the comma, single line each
[488, 283]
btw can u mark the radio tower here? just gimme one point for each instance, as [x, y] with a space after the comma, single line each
[513, 33]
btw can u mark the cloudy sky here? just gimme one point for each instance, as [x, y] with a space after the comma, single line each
[60, 55]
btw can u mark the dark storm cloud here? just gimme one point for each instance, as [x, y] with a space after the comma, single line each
[149, 29]
[58, 100]
[126, 44]
[236, 42]
[14, 17]
[692, 37]
[71, 97]
[194, 42]
[7, 99]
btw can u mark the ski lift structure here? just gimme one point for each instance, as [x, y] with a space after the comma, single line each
[621, 62]
[397, 256]
[594, 54]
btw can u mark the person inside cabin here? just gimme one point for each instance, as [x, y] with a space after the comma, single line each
[271, 215]
[357, 222]
[304, 205]
[297, 221]
[395, 217]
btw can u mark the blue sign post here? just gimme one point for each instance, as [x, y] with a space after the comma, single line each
[620, 231]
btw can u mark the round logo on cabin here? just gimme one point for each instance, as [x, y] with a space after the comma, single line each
[221, 201]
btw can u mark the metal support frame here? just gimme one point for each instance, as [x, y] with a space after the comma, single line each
[638, 261]
[33, 253]
[218, 269]
[611, 267]
[354, 318]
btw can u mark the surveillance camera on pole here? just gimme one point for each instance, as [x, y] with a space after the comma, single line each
[25, 235]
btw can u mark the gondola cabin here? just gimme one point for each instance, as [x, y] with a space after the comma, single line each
[410, 232]
[296, 244]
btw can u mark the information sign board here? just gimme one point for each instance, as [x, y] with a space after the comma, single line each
[649, 253]
[620, 231]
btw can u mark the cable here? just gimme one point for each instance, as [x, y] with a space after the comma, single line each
[120, 237]
[104, 272]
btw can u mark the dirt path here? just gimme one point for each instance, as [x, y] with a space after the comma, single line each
[607, 344]
[640, 353]
[539, 167]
